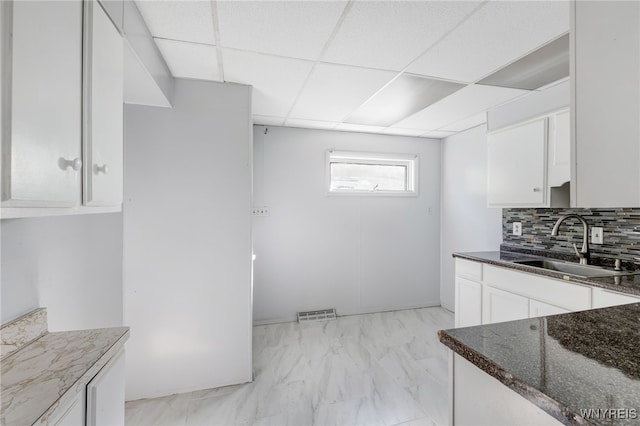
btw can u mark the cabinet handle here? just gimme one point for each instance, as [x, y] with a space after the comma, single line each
[536, 189]
[75, 164]
[101, 169]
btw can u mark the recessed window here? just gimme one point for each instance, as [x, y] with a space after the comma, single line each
[371, 173]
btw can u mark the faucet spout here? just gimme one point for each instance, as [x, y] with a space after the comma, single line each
[583, 254]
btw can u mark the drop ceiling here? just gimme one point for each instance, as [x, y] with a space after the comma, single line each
[423, 68]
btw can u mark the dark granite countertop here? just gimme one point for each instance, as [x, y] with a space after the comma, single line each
[565, 364]
[626, 284]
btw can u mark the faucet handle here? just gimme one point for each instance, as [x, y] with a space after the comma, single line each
[584, 257]
[580, 255]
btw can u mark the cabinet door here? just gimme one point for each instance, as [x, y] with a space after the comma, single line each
[606, 97]
[603, 298]
[517, 165]
[559, 164]
[105, 394]
[41, 103]
[499, 306]
[541, 309]
[468, 303]
[103, 131]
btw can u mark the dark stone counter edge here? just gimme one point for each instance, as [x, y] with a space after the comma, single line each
[547, 273]
[552, 407]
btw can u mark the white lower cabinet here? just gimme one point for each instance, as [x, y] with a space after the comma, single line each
[486, 294]
[468, 303]
[541, 309]
[499, 306]
[603, 298]
[100, 403]
[105, 394]
[481, 400]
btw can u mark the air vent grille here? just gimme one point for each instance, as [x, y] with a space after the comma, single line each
[321, 315]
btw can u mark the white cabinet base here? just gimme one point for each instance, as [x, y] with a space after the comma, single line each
[105, 394]
[481, 400]
[499, 306]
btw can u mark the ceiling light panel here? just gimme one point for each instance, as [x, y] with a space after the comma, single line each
[310, 124]
[498, 33]
[276, 80]
[404, 96]
[539, 68]
[297, 29]
[179, 20]
[390, 34]
[471, 100]
[334, 91]
[190, 60]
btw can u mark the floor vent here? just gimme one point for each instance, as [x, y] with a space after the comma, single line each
[322, 315]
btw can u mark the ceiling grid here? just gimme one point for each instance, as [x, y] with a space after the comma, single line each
[391, 67]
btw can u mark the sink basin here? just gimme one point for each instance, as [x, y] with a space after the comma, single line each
[575, 269]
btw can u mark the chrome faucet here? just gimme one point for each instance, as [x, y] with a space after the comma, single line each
[583, 254]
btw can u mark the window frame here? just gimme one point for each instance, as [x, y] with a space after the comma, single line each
[410, 161]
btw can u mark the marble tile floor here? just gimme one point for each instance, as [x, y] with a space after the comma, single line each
[376, 369]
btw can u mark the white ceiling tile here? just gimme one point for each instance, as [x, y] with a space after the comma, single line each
[437, 134]
[310, 124]
[190, 60]
[179, 20]
[276, 80]
[473, 99]
[267, 120]
[497, 34]
[403, 132]
[466, 123]
[298, 29]
[346, 127]
[390, 34]
[334, 91]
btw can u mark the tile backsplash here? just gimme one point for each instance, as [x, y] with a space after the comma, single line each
[621, 230]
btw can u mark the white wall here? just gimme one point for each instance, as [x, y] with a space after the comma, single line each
[357, 254]
[187, 240]
[467, 224]
[72, 265]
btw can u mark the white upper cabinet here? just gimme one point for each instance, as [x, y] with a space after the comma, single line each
[103, 93]
[529, 163]
[606, 100]
[517, 165]
[62, 94]
[41, 103]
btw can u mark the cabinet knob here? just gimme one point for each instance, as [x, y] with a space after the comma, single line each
[536, 189]
[75, 164]
[101, 169]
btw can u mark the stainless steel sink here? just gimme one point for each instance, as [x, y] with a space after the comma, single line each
[575, 269]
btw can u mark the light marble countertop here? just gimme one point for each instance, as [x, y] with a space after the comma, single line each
[49, 372]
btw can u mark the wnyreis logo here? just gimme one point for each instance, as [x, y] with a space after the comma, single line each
[609, 413]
